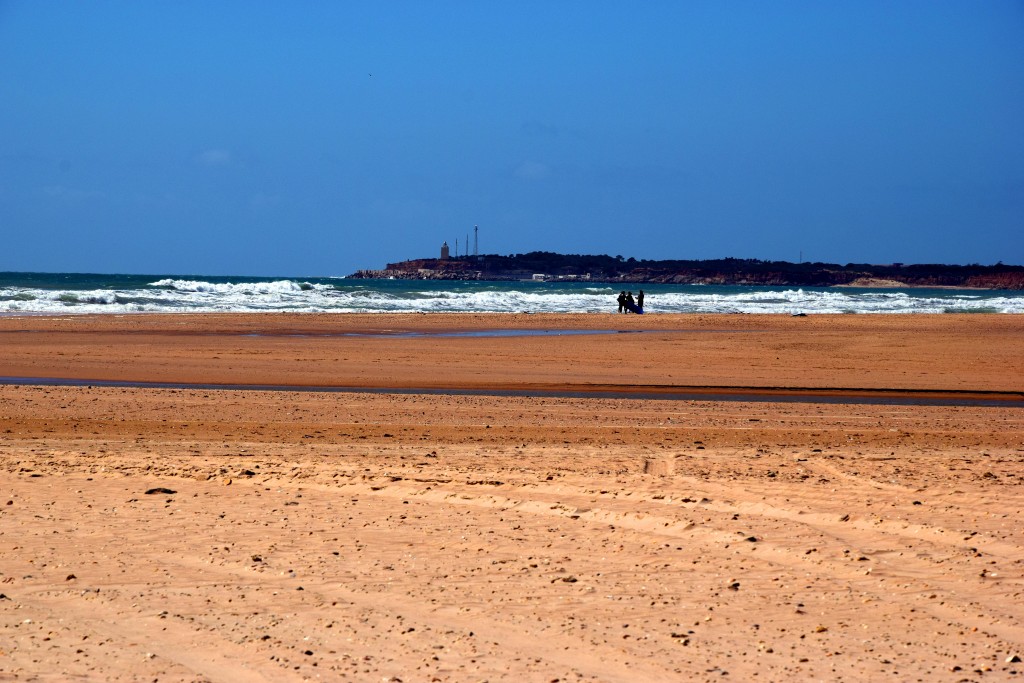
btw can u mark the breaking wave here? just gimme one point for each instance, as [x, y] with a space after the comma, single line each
[66, 293]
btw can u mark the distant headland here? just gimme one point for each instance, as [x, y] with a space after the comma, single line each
[547, 266]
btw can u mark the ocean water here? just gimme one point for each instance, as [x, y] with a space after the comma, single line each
[75, 293]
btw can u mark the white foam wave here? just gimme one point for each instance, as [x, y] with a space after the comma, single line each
[229, 288]
[184, 295]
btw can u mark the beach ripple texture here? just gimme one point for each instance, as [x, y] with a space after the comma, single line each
[69, 293]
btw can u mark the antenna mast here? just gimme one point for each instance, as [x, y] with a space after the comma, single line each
[476, 243]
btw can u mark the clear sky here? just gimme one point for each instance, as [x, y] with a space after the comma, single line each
[315, 138]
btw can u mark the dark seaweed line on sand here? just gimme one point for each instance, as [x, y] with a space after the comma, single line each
[910, 397]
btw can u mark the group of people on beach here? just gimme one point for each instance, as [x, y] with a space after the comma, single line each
[629, 305]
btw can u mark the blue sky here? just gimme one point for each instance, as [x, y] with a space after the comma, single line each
[316, 138]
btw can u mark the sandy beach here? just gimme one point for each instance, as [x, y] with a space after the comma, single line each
[624, 498]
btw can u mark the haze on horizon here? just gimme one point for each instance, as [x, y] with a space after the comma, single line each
[320, 138]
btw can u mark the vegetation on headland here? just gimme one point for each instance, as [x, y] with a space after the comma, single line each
[727, 271]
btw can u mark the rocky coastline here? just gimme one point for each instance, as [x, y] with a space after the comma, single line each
[546, 266]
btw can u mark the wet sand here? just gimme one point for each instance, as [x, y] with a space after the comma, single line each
[224, 535]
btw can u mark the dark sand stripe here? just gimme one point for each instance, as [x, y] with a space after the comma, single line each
[910, 397]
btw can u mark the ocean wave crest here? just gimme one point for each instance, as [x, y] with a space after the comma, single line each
[218, 295]
[201, 286]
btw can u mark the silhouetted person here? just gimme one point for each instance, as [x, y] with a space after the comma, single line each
[630, 304]
[622, 301]
[640, 300]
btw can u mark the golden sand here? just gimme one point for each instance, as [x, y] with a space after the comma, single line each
[326, 535]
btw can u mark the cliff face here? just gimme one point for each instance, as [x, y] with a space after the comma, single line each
[719, 271]
[1009, 280]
